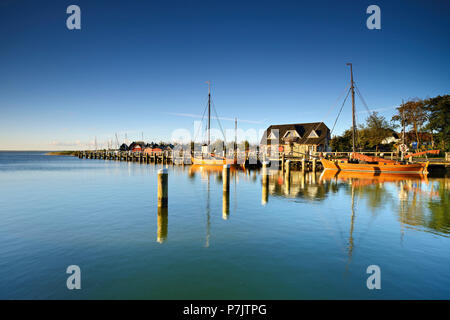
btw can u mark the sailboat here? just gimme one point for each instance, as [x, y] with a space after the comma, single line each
[362, 163]
[210, 158]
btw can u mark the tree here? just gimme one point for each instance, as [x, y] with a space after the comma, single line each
[438, 109]
[413, 113]
[375, 131]
[343, 142]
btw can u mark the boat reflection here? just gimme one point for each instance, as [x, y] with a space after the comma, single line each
[418, 202]
[367, 178]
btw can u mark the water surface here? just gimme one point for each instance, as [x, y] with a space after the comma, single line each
[303, 238]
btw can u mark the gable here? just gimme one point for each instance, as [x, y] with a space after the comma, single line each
[272, 136]
[300, 133]
[291, 134]
[313, 134]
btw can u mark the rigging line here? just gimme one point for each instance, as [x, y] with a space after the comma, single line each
[198, 129]
[218, 121]
[335, 121]
[330, 109]
[362, 99]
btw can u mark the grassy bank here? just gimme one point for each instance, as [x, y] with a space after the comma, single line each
[61, 153]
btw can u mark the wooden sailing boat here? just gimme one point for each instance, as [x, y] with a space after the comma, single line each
[362, 163]
[210, 158]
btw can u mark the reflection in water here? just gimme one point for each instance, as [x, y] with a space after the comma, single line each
[208, 212]
[265, 186]
[162, 222]
[287, 182]
[225, 205]
[352, 224]
[418, 202]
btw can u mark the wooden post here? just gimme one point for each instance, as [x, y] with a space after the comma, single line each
[303, 164]
[282, 162]
[314, 165]
[226, 177]
[288, 168]
[162, 188]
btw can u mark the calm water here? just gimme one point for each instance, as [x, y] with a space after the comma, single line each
[313, 238]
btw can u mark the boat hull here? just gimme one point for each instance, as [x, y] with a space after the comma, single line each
[213, 162]
[413, 168]
[370, 177]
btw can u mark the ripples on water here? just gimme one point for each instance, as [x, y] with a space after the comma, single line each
[310, 236]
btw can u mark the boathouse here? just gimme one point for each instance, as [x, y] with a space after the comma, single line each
[152, 151]
[296, 139]
[137, 146]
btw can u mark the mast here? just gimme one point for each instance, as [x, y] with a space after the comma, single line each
[352, 87]
[209, 112]
[235, 139]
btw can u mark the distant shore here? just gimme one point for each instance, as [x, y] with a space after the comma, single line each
[61, 153]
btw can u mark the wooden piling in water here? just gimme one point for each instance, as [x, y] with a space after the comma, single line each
[162, 188]
[226, 178]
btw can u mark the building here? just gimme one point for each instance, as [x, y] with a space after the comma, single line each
[152, 151]
[137, 146]
[296, 139]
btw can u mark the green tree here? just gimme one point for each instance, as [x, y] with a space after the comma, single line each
[343, 142]
[374, 131]
[413, 113]
[438, 109]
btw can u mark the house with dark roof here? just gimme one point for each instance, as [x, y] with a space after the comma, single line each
[297, 138]
[137, 146]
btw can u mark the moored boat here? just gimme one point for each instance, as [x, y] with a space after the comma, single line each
[376, 167]
[362, 163]
[210, 158]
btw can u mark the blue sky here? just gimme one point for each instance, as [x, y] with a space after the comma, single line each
[140, 66]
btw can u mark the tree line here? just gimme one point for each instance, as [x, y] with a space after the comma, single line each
[423, 119]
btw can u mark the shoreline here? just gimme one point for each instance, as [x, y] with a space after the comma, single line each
[61, 153]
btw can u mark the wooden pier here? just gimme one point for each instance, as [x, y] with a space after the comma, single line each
[248, 159]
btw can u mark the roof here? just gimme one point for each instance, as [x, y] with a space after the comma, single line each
[298, 133]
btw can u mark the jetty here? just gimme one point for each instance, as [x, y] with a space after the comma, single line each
[252, 159]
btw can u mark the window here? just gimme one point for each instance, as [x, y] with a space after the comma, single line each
[291, 134]
[313, 134]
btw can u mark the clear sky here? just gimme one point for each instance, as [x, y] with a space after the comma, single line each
[140, 66]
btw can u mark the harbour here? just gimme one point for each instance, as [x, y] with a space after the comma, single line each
[300, 235]
[224, 159]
